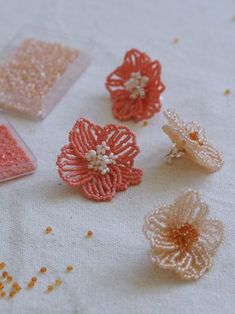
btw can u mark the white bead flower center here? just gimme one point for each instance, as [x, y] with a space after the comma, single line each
[136, 85]
[98, 160]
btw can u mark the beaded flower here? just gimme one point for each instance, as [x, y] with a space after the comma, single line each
[135, 87]
[99, 160]
[182, 239]
[191, 139]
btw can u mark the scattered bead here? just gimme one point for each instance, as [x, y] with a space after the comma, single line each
[58, 282]
[175, 41]
[48, 230]
[2, 265]
[89, 234]
[4, 274]
[145, 123]
[43, 270]
[1, 285]
[31, 284]
[69, 268]
[12, 294]
[34, 279]
[3, 294]
[9, 278]
[227, 92]
[49, 288]
[16, 287]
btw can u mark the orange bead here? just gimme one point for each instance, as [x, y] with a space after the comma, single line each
[58, 282]
[69, 268]
[89, 233]
[3, 294]
[2, 265]
[43, 270]
[48, 230]
[9, 278]
[4, 274]
[1, 285]
[49, 288]
[30, 284]
[12, 294]
[34, 279]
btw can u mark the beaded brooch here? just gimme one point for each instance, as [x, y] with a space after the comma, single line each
[135, 87]
[182, 239]
[99, 160]
[191, 139]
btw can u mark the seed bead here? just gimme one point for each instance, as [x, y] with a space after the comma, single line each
[48, 230]
[12, 294]
[31, 284]
[9, 278]
[49, 288]
[4, 274]
[2, 265]
[69, 268]
[16, 287]
[43, 270]
[89, 233]
[58, 282]
[3, 294]
[1, 285]
[34, 279]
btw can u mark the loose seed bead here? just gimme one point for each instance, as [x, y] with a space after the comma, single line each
[58, 282]
[48, 229]
[89, 233]
[4, 274]
[9, 278]
[69, 268]
[3, 294]
[12, 294]
[43, 270]
[34, 279]
[1, 285]
[2, 265]
[30, 284]
[16, 287]
[49, 288]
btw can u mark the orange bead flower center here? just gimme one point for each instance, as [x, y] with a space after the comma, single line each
[183, 236]
[194, 136]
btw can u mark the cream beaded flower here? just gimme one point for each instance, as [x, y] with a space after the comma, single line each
[182, 239]
[190, 139]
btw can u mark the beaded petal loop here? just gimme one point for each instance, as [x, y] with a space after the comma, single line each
[182, 239]
[135, 87]
[191, 139]
[99, 160]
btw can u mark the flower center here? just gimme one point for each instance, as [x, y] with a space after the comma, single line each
[98, 160]
[194, 136]
[183, 236]
[136, 85]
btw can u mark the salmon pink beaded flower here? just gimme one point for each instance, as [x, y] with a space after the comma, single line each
[191, 139]
[182, 239]
[99, 160]
[135, 87]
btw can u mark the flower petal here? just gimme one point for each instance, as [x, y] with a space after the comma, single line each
[122, 143]
[129, 176]
[101, 187]
[83, 136]
[211, 234]
[136, 59]
[72, 168]
[184, 209]
[156, 222]
[201, 263]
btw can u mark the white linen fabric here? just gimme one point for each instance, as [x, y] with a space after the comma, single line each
[112, 271]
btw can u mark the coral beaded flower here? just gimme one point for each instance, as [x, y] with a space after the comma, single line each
[182, 239]
[135, 87]
[99, 160]
[191, 139]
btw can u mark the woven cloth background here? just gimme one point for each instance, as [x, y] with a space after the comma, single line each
[114, 274]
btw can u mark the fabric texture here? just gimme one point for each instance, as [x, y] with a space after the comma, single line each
[112, 270]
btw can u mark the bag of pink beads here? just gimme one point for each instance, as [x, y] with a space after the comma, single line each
[16, 159]
[37, 68]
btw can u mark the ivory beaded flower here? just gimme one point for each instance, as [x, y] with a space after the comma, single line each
[135, 87]
[182, 239]
[99, 160]
[191, 139]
